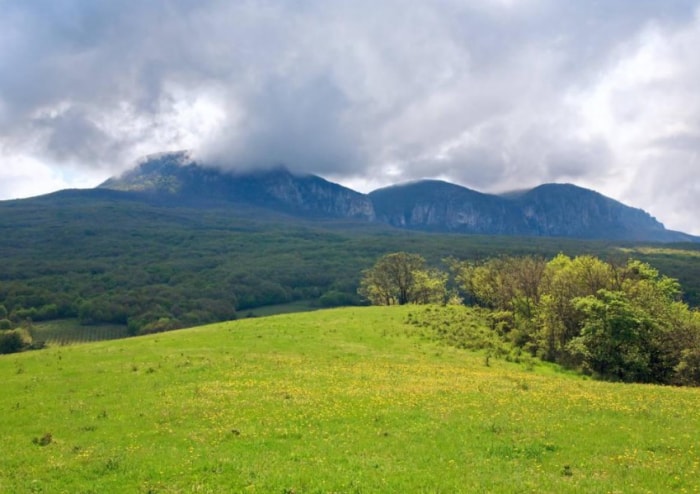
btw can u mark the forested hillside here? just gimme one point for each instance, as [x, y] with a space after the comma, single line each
[102, 256]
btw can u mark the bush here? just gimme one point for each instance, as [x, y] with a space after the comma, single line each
[335, 298]
[5, 324]
[688, 369]
[11, 342]
[162, 324]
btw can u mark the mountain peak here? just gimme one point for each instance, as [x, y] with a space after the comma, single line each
[570, 210]
[176, 178]
[550, 209]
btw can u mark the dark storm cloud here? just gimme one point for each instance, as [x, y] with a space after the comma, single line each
[495, 94]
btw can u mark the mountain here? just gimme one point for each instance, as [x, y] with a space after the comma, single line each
[553, 210]
[565, 210]
[174, 177]
[434, 205]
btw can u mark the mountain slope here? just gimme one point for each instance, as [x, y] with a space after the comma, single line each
[565, 210]
[134, 258]
[442, 206]
[557, 210]
[551, 210]
[175, 177]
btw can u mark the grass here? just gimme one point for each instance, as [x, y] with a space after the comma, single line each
[61, 332]
[344, 400]
[689, 251]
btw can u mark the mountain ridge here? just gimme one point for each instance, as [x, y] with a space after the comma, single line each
[276, 188]
[553, 210]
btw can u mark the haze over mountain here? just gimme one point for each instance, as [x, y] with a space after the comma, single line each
[562, 210]
[174, 175]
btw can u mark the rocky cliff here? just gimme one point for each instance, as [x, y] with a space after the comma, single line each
[175, 177]
[548, 210]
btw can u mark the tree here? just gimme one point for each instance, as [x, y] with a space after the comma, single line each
[509, 285]
[617, 338]
[504, 283]
[401, 278]
[624, 322]
[429, 286]
[11, 342]
[564, 280]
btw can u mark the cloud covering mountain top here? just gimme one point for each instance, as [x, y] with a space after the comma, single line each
[492, 94]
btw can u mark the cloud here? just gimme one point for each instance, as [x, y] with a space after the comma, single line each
[494, 94]
[647, 106]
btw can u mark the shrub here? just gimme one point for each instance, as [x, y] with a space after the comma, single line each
[688, 369]
[335, 298]
[11, 342]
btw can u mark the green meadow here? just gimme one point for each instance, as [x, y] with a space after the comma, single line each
[342, 400]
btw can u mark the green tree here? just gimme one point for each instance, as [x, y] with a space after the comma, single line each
[504, 283]
[401, 278]
[559, 321]
[509, 285]
[11, 342]
[617, 338]
[430, 286]
[624, 322]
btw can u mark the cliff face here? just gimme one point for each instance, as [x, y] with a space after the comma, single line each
[570, 211]
[548, 210]
[441, 206]
[555, 210]
[315, 195]
[175, 177]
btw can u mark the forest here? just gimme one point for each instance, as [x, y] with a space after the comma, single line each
[155, 268]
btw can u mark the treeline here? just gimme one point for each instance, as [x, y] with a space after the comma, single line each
[156, 268]
[623, 322]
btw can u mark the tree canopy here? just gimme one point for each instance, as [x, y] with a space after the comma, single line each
[402, 278]
[624, 323]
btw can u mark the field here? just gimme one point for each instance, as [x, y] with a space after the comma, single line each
[343, 400]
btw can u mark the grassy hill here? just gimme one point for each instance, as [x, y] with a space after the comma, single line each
[344, 400]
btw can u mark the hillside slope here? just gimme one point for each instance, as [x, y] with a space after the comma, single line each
[107, 256]
[348, 400]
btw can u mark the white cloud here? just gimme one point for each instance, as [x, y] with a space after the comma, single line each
[647, 107]
[494, 94]
[23, 176]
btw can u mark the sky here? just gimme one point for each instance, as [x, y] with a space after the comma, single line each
[495, 95]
